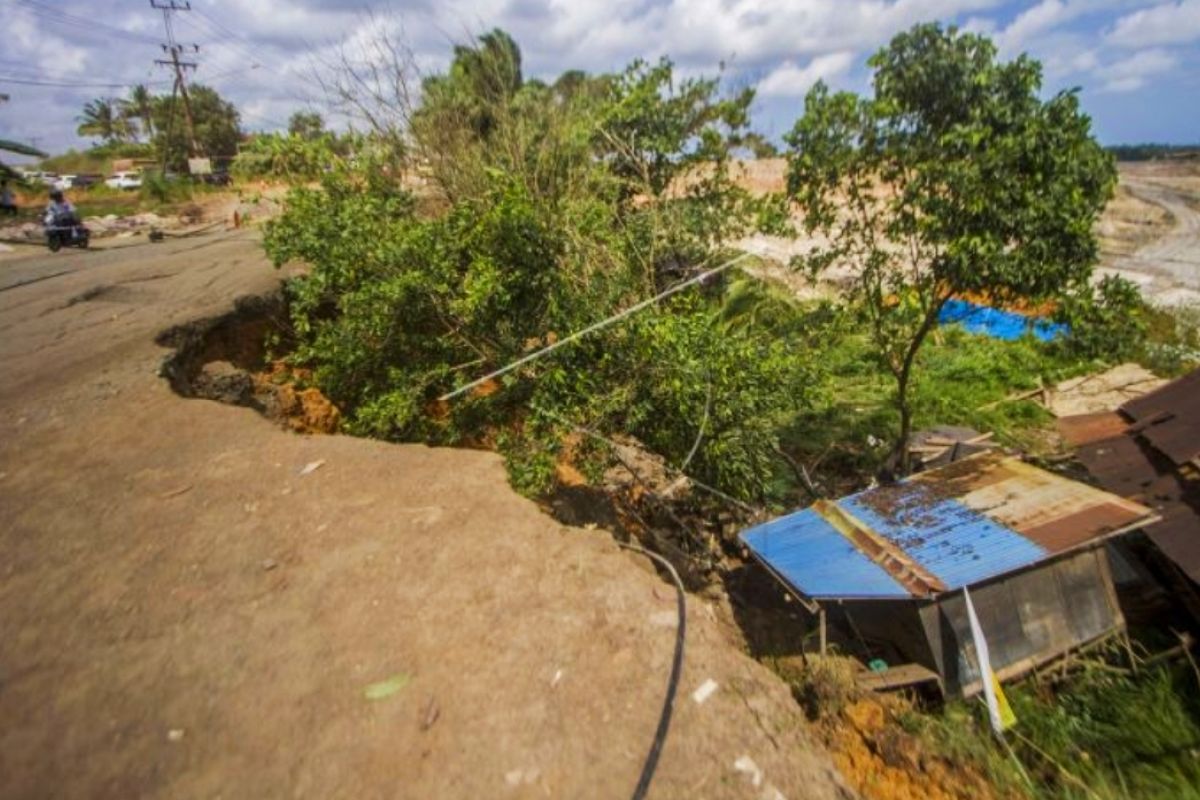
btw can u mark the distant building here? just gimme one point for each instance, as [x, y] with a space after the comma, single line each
[888, 566]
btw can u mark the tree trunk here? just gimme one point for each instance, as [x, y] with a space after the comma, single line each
[900, 456]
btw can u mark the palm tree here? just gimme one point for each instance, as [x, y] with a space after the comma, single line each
[141, 105]
[98, 119]
[105, 118]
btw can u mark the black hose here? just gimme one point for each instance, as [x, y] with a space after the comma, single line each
[664, 719]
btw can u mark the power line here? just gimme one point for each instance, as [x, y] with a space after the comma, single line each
[99, 28]
[220, 27]
[604, 323]
[226, 73]
[213, 38]
[72, 85]
[233, 41]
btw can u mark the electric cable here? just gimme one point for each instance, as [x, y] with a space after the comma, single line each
[604, 323]
[79, 85]
[99, 28]
[664, 718]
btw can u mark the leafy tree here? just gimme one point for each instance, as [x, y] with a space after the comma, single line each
[759, 146]
[666, 144]
[106, 119]
[654, 130]
[483, 78]
[216, 120]
[954, 178]
[291, 157]
[565, 203]
[306, 124]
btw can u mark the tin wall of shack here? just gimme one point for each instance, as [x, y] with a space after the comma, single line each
[1029, 618]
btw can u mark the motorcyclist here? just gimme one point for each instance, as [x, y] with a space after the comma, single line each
[59, 212]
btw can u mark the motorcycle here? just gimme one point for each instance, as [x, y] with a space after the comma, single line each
[65, 230]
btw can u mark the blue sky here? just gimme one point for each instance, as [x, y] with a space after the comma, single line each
[1137, 62]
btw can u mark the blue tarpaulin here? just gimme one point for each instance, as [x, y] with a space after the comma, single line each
[1006, 325]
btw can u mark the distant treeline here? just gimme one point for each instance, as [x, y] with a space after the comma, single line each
[1149, 152]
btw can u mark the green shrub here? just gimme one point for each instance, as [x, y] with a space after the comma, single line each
[1172, 345]
[289, 157]
[1107, 321]
[157, 188]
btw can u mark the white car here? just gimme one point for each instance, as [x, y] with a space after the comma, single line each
[64, 182]
[124, 180]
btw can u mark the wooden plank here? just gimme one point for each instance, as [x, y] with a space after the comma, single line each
[896, 677]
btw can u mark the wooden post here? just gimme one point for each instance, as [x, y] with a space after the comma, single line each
[821, 625]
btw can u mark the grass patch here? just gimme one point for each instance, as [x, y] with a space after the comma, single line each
[1172, 346]
[961, 379]
[1101, 735]
[96, 160]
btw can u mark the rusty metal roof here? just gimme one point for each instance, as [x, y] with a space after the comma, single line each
[1149, 453]
[1080, 429]
[1169, 418]
[943, 529]
[1135, 469]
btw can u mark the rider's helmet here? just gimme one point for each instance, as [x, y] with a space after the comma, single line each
[56, 195]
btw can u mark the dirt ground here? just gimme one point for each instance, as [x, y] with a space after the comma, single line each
[1149, 233]
[197, 603]
[1165, 259]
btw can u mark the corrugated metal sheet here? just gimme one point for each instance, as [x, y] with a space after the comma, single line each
[1171, 416]
[1057, 513]
[1083, 428]
[812, 556]
[963, 523]
[1134, 469]
[956, 543]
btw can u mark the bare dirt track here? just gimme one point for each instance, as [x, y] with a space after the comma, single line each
[183, 613]
[1167, 264]
[1149, 233]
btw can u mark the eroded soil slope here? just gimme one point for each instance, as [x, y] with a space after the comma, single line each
[195, 602]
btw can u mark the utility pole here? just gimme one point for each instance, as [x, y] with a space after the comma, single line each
[173, 50]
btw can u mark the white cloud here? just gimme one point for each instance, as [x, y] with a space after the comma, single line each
[1169, 23]
[1039, 19]
[981, 25]
[789, 80]
[791, 42]
[1132, 73]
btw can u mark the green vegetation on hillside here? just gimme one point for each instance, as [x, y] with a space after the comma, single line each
[1151, 152]
[991, 190]
[541, 208]
[1108, 733]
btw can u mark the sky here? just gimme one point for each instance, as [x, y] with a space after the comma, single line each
[1136, 62]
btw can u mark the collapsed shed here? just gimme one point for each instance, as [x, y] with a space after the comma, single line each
[1148, 450]
[892, 561]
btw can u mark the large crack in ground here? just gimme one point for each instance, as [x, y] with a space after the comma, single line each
[226, 358]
